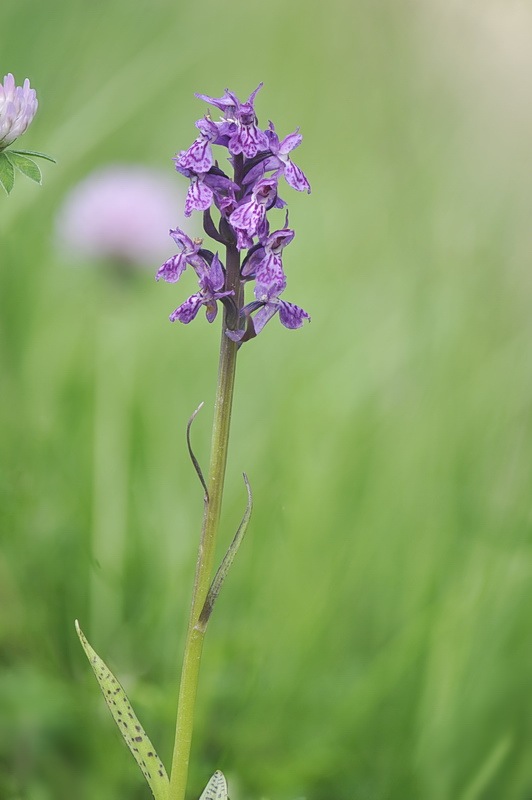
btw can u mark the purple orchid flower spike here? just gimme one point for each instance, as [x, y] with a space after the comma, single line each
[173, 268]
[244, 201]
[211, 280]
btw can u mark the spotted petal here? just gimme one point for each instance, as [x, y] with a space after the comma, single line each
[291, 316]
[188, 310]
[199, 197]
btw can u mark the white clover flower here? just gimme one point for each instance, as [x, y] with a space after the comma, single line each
[18, 106]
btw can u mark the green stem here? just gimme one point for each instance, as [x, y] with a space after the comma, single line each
[204, 566]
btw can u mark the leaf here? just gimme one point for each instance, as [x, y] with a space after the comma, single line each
[142, 749]
[227, 562]
[216, 789]
[193, 458]
[7, 173]
[35, 154]
[25, 165]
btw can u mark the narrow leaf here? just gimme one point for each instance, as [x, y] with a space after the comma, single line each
[35, 154]
[7, 173]
[193, 458]
[25, 165]
[228, 559]
[142, 749]
[216, 789]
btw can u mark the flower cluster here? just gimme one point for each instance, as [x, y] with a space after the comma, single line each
[259, 160]
[18, 106]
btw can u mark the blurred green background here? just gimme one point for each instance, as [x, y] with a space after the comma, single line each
[374, 639]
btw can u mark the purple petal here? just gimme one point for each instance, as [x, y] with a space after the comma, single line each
[211, 310]
[220, 183]
[290, 143]
[199, 197]
[216, 274]
[278, 240]
[224, 103]
[208, 128]
[243, 240]
[258, 171]
[251, 98]
[223, 189]
[182, 240]
[188, 310]
[252, 261]
[248, 216]
[270, 276]
[263, 229]
[265, 191]
[291, 316]
[248, 140]
[172, 269]
[198, 157]
[263, 316]
[273, 139]
[296, 178]
[179, 168]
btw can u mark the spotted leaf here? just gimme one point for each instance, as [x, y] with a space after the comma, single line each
[128, 724]
[216, 789]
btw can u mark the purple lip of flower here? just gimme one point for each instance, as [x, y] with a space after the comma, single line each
[250, 215]
[265, 262]
[18, 106]
[198, 157]
[211, 280]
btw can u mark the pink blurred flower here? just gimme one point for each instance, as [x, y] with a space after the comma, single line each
[120, 213]
[18, 106]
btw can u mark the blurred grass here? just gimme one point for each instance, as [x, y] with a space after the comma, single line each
[374, 639]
